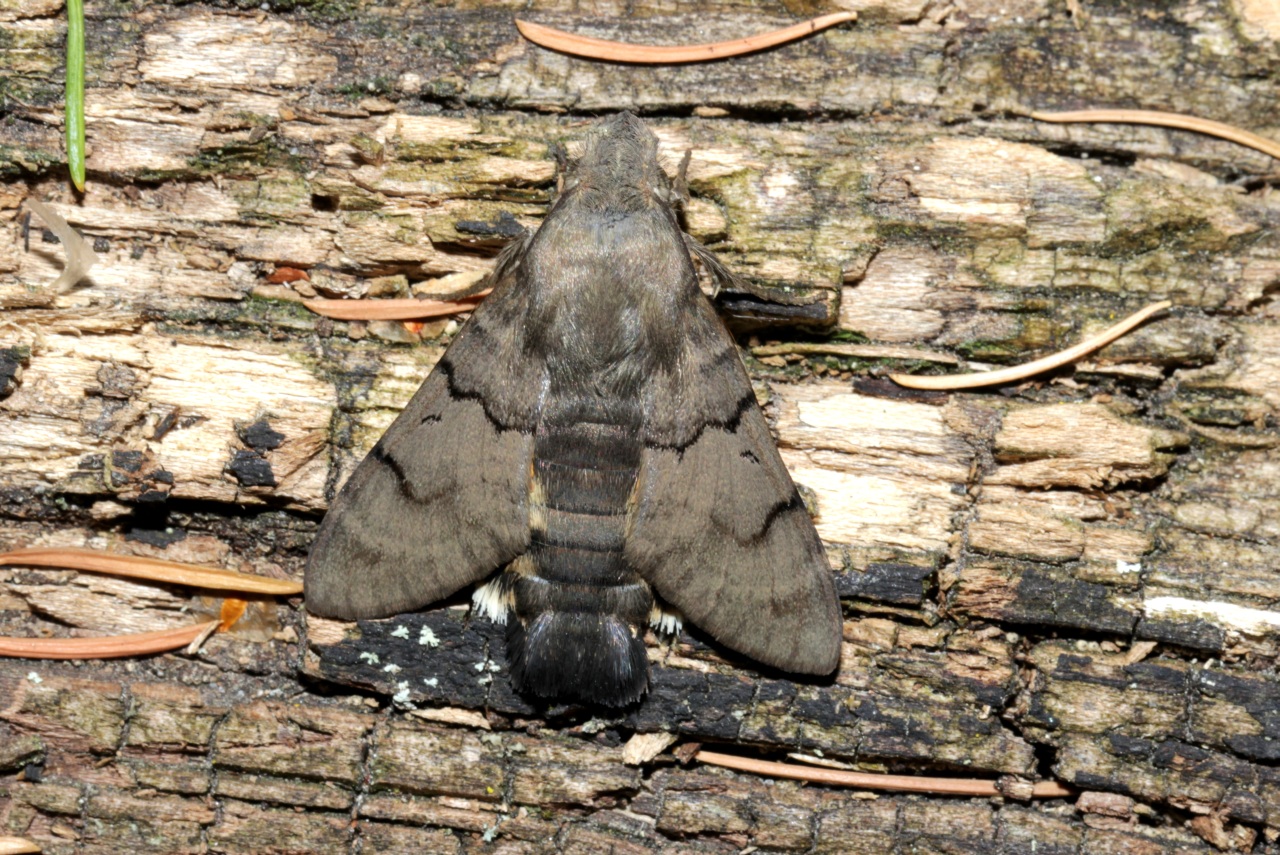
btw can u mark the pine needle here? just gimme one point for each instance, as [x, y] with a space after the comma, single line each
[152, 569]
[868, 781]
[952, 382]
[610, 51]
[1168, 120]
[106, 647]
[404, 309]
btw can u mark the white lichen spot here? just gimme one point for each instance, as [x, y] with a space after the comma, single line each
[391, 668]
[401, 631]
[1127, 567]
[370, 657]
[427, 637]
[33, 677]
[401, 697]
[479, 666]
[433, 682]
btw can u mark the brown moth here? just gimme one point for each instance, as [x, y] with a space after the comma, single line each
[590, 437]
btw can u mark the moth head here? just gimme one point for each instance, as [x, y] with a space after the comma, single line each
[619, 164]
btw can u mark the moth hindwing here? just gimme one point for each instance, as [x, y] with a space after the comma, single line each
[592, 437]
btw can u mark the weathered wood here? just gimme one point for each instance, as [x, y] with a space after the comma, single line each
[1074, 578]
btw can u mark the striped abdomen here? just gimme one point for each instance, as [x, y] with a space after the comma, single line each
[579, 611]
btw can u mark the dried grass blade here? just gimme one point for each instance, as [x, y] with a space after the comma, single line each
[153, 569]
[610, 51]
[391, 310]
[952, 382]
[80, 255]
[106, 647]
[17, 846]
[1167, 120]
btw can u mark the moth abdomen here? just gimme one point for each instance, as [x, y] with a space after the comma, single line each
[584, 489]
[576, 530]
[631, 602]
[580, 611]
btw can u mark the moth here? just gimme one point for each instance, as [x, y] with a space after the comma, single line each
[591, 441]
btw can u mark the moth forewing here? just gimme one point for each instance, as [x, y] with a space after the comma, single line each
[442, 499]
[592, 436]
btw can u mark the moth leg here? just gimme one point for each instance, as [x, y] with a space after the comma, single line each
[721, 276]
[681, 183]
[561, 156]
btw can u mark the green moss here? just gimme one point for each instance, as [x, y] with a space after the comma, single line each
[256, 120]
[442, 87]
[245, 319]
[20, 160]
[984, 350]
[329, 10]
[376, 85]
[253, 157]
[371, 151]
[276, 195]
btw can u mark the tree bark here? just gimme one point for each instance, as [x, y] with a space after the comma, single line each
[1071, 579]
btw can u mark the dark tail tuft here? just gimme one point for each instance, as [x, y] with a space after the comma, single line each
[586, 656]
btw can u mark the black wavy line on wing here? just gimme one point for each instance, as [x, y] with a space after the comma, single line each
[744, 405]
[456, 393]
